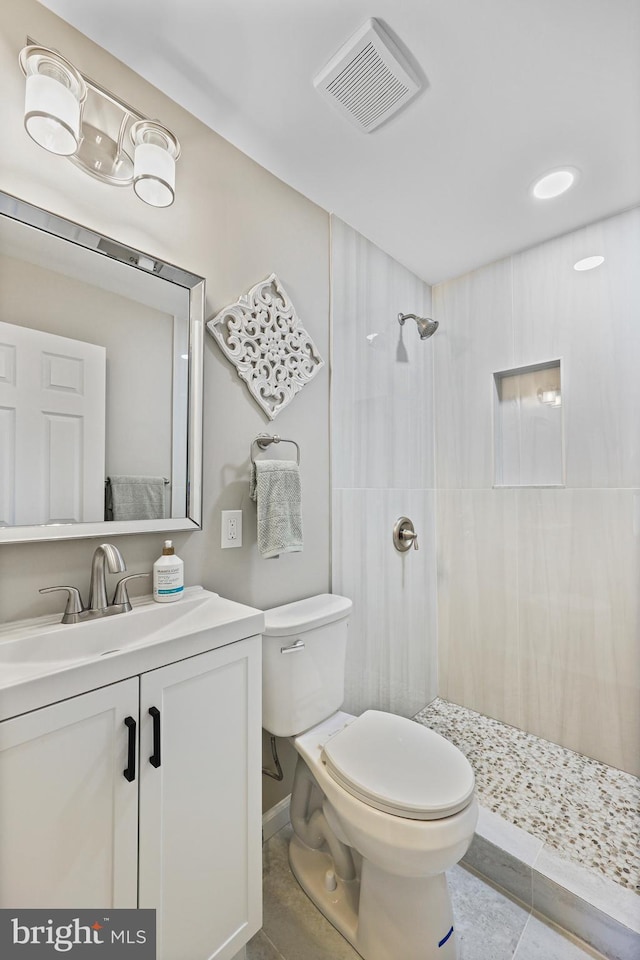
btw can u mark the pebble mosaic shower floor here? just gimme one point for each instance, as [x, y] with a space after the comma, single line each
[588, 812]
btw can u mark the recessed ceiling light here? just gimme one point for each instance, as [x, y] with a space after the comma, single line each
[554, 183]
[588, 263]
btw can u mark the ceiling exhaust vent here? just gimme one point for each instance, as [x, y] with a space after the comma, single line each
[369, 79]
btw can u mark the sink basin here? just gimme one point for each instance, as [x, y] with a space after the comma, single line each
[43, 660]
[55, 642]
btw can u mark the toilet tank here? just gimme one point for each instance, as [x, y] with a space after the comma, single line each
[303, 656]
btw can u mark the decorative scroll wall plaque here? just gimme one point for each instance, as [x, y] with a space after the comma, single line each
[262, 336]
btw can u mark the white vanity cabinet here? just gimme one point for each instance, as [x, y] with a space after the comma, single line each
[200, 809]
[183, 836]
[68, 816]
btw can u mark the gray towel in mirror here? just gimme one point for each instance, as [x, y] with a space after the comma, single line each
[135, 498]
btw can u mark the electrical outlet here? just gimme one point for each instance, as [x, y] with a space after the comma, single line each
[231, 529]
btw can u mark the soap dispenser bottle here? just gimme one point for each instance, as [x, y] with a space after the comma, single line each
[168, 575]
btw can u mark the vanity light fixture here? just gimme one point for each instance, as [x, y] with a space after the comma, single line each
[588, 263]
[554, 183]
[72, 116]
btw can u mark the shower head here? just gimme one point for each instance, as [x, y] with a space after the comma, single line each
[426, 326]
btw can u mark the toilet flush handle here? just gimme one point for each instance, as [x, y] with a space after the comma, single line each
[296, 647]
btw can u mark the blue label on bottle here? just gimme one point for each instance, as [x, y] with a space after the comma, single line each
[174, 590]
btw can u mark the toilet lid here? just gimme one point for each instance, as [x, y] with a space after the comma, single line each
[400, 767]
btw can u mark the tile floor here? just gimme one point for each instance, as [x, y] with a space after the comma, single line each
[490, 925]
[588, 812]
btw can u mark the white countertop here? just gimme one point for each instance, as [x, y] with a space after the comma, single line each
[43, 661]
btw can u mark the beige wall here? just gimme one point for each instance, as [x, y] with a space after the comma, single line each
[234, 224]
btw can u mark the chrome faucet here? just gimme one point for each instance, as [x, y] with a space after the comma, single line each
[98, 604]
[98, 586]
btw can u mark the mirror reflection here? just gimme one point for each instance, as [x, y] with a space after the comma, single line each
[99, 390]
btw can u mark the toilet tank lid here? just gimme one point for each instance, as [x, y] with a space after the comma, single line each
[303, 615]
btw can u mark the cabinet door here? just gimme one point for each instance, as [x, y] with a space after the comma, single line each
[68, 816]
[200, 819]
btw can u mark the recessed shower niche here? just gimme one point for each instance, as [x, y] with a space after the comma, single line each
[527, 423]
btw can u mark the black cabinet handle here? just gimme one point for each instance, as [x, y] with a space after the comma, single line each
[154, 759]
[130, 770]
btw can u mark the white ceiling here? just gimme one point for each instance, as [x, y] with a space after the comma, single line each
[515, 88]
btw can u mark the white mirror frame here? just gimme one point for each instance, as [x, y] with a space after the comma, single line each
[16, 209]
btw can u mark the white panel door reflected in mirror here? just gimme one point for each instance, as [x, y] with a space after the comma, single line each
[52, 428]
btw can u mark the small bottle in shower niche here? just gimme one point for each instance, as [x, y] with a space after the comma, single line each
[168, 575]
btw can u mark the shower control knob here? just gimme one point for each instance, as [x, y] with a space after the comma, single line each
[404, 535]
[410, 538]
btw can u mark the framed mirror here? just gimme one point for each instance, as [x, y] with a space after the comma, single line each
[101, 371]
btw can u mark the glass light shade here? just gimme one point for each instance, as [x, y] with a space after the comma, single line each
[154, 162]
[54, 95]
[52, 115]
[154, 175]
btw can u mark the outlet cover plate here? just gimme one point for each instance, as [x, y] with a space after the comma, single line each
[231, 529]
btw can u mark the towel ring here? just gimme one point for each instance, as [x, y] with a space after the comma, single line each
[264, 441]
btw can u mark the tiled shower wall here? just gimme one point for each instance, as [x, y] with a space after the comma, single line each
[382, 468]
[538, 587]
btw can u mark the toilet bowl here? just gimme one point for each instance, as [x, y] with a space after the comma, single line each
[381, 806]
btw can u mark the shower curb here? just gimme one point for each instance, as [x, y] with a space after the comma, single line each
[598, 911]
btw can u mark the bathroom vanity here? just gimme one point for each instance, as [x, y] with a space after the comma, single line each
[130, 768]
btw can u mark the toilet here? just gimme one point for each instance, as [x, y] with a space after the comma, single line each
[380, 807]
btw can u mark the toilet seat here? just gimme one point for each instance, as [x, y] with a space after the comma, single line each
[400, 767]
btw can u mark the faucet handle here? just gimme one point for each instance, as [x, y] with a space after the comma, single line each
[74, 606]
[404, 535]
[121, 595]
